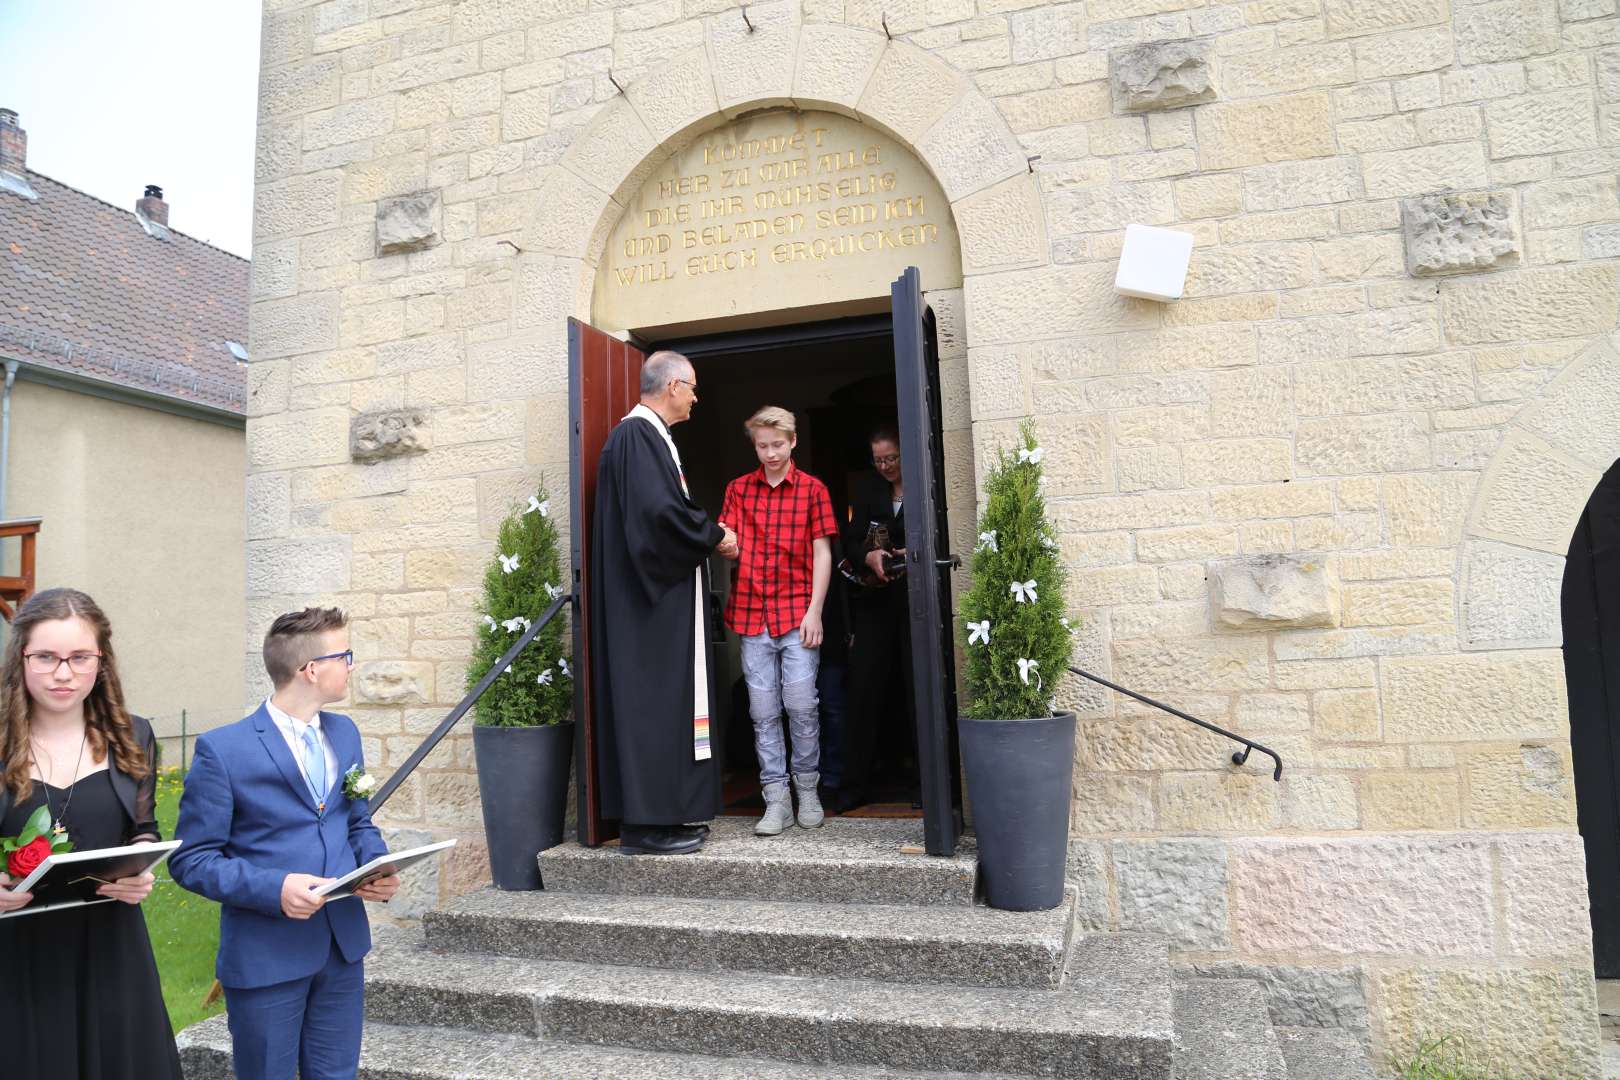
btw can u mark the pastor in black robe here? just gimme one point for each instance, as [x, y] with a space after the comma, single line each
[647, 539]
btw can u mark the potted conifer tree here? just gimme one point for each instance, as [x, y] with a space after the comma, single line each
[1017, 753]
[523, 740]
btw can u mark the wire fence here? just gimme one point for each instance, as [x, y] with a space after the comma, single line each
[177, 733]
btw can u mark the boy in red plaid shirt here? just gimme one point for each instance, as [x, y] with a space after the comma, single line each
[784, 523]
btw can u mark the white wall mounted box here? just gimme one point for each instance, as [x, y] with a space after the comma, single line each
[1153, 264]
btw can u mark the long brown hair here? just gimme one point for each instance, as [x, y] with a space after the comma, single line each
[107, 725]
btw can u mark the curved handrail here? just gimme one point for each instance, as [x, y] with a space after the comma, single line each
[404, 771]
[1239, 757]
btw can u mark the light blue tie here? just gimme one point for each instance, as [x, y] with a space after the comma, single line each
[315, 766]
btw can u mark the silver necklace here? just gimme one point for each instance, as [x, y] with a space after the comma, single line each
[56, 819]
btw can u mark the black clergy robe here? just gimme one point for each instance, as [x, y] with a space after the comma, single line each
[647, 540]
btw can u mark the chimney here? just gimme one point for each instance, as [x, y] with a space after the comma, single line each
[152, 207]
[14, 156]
[13, 144]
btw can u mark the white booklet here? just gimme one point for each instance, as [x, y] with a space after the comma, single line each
[382, 866]
[72, 878]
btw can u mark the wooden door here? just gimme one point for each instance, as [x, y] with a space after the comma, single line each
[928, 564]
[1591, 615]
[604, 383]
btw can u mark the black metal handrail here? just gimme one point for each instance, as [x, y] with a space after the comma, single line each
[1239, 757]
[402, 773]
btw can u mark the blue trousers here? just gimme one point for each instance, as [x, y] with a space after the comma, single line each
[309, 1027]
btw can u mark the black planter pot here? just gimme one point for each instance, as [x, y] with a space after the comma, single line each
[523, 785]
[1018, 775]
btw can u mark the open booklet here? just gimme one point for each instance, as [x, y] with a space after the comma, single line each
[382, 866]
[72, 878]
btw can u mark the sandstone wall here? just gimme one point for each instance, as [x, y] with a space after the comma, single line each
[1324, 498]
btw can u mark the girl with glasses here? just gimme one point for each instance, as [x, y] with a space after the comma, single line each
[84, 998]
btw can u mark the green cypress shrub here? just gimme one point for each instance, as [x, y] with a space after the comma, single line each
[523, 577]
[1016, 599]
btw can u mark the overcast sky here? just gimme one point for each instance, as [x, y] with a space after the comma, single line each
[118, 94]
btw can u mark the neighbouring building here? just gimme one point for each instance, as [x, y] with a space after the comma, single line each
[124, 346]
[1327, 498]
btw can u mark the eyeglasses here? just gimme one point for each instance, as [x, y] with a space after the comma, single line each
[347, 655]
[887, 459]
[44, 663]
[688, 382]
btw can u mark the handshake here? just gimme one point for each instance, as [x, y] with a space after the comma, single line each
[728, 543]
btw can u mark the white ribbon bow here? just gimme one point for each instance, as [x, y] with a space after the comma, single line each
[1025, 667]
[489, 621]
[1024, 591]
[544, 678]
[509, 563]
[1032, 456]
[552, 591]
[979, 631]
[988, 540]
[1048, 543]
[562, 665]
[1064, 620]
[516, 623]
[536, 504]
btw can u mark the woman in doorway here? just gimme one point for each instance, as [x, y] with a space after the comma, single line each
[85, 1002]
[880, 649]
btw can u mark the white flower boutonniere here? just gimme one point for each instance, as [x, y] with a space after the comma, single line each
[359, 784]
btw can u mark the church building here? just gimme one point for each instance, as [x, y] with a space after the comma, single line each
[1348, 488]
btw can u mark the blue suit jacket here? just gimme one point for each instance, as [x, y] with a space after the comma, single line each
[247, 821]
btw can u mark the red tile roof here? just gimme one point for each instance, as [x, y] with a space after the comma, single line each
[84, 288]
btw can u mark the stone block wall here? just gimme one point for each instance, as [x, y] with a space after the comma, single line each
[1324, 498]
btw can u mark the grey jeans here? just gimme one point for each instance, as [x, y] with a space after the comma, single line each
[781, 672]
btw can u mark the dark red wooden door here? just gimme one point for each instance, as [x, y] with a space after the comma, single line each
[604, 383]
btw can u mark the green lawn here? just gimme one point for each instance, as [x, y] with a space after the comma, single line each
[184, 927]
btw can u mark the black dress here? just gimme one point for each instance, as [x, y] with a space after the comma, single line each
[81, 995]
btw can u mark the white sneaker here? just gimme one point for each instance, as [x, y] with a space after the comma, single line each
[810, 812]
[778, 811]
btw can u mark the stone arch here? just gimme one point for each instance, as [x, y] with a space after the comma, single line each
[932, 109]
[1525, 509]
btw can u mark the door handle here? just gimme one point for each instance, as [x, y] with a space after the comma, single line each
[952, 561]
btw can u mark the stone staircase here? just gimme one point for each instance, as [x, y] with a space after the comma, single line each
[814, 955]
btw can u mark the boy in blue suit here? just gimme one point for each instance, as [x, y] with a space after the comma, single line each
[263, 820]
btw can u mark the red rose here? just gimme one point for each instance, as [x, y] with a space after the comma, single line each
[26, 859]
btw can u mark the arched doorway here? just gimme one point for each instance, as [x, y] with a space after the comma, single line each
[1591, 622]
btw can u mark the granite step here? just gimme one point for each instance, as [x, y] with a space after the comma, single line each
[1115, 1022]
[392, 1052]
[845, 861]
[1224, 1032]
[963, 946]
[1324, 1054]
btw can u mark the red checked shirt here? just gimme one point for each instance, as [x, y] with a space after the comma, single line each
[776, 529]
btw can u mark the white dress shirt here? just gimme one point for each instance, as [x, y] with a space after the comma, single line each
[292, 729]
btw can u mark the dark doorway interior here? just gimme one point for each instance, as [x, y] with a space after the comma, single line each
[838, 379]
[1591, 617]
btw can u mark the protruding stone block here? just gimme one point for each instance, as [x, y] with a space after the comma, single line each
[1160, 75]
[408, 222]
[394, 682]
[382, 435]
[1460, 232]
[1268, 592]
